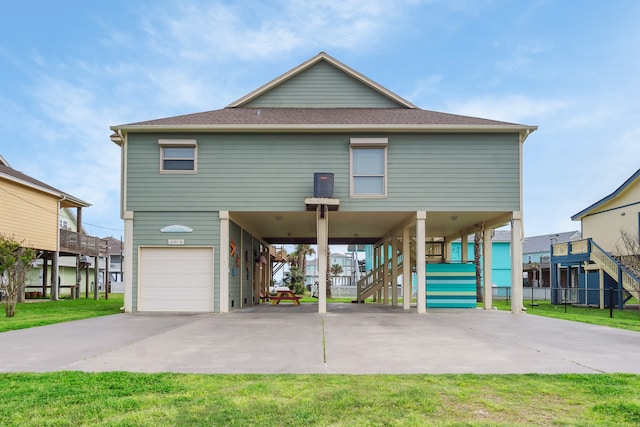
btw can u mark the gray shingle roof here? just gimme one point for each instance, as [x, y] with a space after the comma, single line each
[19, 176]
[542, 243]
[322, 116]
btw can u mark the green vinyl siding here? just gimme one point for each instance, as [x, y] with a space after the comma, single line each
[274, 172]
[206, 232]
[322, 85]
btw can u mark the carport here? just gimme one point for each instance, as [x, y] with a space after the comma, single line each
[323, 224]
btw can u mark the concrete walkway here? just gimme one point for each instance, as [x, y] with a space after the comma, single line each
[350, 338]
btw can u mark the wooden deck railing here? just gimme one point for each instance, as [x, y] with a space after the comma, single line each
[82, 244]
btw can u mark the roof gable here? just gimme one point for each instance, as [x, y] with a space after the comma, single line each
[322, 82]
[617, 193]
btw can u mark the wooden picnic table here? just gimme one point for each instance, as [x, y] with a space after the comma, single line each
[285, 295]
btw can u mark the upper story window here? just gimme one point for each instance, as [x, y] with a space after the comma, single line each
[369, 167]
[178, 155]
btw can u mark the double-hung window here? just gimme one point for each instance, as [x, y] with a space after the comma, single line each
[178, 155]
[368, 167]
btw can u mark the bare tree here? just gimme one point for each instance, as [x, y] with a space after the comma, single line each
[15, 262]
[628, 249]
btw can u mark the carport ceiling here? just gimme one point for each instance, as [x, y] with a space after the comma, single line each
[359, 227]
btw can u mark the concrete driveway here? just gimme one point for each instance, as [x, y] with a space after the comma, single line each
[350, 339]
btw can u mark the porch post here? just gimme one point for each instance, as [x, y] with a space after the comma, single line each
[385, 272]
[224, 262]
[407, 283]
[464, 248]
[55, 291]
[394, 270]
[128, 261]
[487, 256]
[421, 266]
[322, 221]
[516, 262]
[376, 272]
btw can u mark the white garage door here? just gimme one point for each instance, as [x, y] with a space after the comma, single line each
[176, 279]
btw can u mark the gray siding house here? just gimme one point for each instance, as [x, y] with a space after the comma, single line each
[205, 195]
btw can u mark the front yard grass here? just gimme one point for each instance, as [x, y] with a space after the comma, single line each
[46, 312]
[627, 319]
[128, 399]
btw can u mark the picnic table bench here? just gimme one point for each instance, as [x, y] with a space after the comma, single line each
[284, 296]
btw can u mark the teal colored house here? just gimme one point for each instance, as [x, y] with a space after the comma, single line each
[319, 155]
[501, 275]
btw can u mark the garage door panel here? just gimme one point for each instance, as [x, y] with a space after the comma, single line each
[176, 279]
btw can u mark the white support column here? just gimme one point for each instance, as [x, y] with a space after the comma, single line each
[385, 272]
[224, 262]
[394, 270]
[487, 256]
[376, 272]
[421, 266]
[128, 261]
[407, 283]
[322, 221]
[446, 251]
[464, 247]
[516, 262]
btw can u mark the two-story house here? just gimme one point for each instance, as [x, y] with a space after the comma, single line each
[34, 212]
[320, 155]
[601, 269]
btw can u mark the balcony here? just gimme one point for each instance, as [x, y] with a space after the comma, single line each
[81, 244]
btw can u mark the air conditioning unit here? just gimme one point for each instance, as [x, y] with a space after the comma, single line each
[323, 185]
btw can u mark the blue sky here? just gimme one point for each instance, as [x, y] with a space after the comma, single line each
[70, 69]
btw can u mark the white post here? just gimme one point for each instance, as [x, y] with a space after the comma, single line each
[394, 270]
[464, 248]
[487, 255]
[385, 272]
[516, 262]
[407, 283]
[322, 221]
[421, 266]
[128, 262]
[224, 262]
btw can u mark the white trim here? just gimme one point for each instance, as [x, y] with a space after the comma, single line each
[369, 142]
[364, 146]
[439, 128]
[128, 261]
[421, 264]
[224, 262]
[178, 143]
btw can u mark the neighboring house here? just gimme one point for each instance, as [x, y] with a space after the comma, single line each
[501, 275]
[320, 155]
[536, 253]
[349, 274]
[32, 212]
[116, 265]
[586, 271]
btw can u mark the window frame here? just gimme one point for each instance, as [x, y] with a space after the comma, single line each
[178, 143]
[368, 143]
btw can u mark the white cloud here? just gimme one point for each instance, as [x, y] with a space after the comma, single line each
[510, 108]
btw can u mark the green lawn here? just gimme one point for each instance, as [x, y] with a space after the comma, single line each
[129, 399]
[626, 319]
[45, 312]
